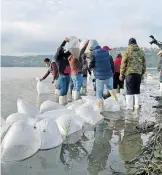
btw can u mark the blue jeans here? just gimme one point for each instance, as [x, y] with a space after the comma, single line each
[100, 86]
[77, 82]
[63, 84]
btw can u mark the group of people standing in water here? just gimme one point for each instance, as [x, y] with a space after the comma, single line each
[70, 71]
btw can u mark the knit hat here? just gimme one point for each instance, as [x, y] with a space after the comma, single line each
[132, 41]
[106, 48]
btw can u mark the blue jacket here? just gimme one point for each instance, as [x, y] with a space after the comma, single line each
[100, 63]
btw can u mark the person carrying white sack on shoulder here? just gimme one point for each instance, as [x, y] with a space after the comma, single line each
[160, 69]
[75, 65]
[133, 67]
[53, 69]
[100, 63]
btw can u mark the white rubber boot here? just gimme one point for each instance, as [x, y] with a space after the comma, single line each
[122, 91]
[57, 94]
[100, 106]
[73, 94]
[65, 100]
[129, 102]
[62, 100]
[83, 91]
[137, 101]
[76, 95]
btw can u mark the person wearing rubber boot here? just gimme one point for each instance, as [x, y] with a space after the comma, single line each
[85, 71]
[133, 66]
[100, 63]
[160, 70]
[64, 71]
[76, 71]
[53, 69]
[118, 85]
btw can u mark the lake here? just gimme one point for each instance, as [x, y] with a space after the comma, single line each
[101, 151]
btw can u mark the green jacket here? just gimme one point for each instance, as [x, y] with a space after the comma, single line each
[133, 61]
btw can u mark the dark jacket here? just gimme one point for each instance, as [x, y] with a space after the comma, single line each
[53, 70]
[61, 58]
[100, 63]
[84, 65]
[112, 64]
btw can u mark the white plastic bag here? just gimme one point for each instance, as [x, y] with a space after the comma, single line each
[88, 114]
[3, 130]
[73, 105]
[42, 88]
[49, 132]
[89, 99]
[69, 124]
[49, 106]
[20, 142]
[26, 108]
[54, 114]
[16, 117]
[111, 105]
[74, 46]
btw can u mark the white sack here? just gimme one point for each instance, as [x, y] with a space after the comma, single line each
[42, 88]
[88, 114]
[54, 114]
[49, 132]
[16, 117]
[26, 108]
[73, 138]
[91, 101]
[3, 130]
[73, 105]
[69, 124]
[49, 106]
[74, 46]
[20, 142]
[90, 83]
[111, 105]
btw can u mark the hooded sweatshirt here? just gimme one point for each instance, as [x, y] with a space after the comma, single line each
[99, 61]
[133, 61]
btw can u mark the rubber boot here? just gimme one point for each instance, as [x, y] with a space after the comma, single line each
[62, 100]
[83, 91]
[137, 101]
[100, 105]
[160, 86]
[122, 91]
[113, 94]
[76, 95]
[65, 100]
[129, 102]
[73, 94]
[57, 94]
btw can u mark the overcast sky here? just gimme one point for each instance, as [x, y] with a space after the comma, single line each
[39, 26]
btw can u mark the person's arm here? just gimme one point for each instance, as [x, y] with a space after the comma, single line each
[54, 70]
[112, 64]
[45, 76]
[144, 65]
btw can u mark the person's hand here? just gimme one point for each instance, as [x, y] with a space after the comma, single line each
[66, 39]
[53, 81]
[121, 78]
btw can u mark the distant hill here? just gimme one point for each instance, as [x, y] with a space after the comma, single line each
[37, 61]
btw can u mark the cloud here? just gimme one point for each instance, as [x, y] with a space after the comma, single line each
[39, 26]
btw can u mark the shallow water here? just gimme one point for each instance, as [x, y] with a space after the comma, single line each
[99, 152]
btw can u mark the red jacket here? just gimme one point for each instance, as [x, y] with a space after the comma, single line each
[117, 63]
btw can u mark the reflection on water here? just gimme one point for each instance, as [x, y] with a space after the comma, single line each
[101, 151]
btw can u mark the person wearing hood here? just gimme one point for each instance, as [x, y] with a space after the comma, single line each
[118, 85]
[64, 71]
[76, 70]
[160, 69]
[133, 66]
[100, 63]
